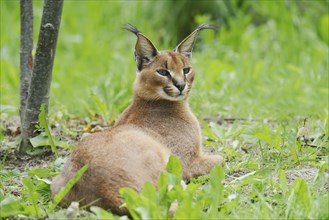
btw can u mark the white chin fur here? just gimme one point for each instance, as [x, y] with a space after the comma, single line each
[165, 96]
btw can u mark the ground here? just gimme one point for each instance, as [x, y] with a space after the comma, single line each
[245, 158]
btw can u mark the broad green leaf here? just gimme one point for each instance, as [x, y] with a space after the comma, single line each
[149, 192]
[132, 200]
[298, 203]
[144, 212]
[101, 213]
[265, 135]
[43, 117]
[174, 166]
[189, 209]
[129, 194]
[163, 184]
[33, 196]
[10, 207]
[40, 141]
[61, 194]
[216, 176]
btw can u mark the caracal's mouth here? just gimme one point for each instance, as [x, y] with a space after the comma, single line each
[172, 95]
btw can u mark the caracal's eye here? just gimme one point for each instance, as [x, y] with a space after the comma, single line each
[186, 70]
[163, 72]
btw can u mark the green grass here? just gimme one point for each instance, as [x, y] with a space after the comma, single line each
[269, 67]
[276, 67]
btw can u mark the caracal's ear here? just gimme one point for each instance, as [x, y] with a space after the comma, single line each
[145, 51]
[186, 46]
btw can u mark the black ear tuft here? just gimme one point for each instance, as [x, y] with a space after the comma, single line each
[207, 26]
[145, 51]
[131, 28]
[186, 46]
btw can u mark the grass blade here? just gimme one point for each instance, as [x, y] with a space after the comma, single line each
[44, 125]
[61, 194]
[32, 194]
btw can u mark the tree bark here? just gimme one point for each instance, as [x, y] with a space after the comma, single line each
[42, 69]
[26, 60]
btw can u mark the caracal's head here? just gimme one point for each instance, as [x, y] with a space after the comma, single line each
[164, 75]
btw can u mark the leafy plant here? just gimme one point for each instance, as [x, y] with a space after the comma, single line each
[45, 138]
[174, 199]
[43, 124]
[32, 192]
[32, 196]
[101, 213]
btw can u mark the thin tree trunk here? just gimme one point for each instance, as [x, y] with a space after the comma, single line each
[42, 69]
[26, 60]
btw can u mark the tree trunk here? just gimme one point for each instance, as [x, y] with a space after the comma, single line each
[42, 69]
[26, 60]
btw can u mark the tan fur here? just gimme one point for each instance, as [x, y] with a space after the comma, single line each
[158, 123]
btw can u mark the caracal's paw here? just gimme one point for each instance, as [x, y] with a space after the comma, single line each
[216, 160]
